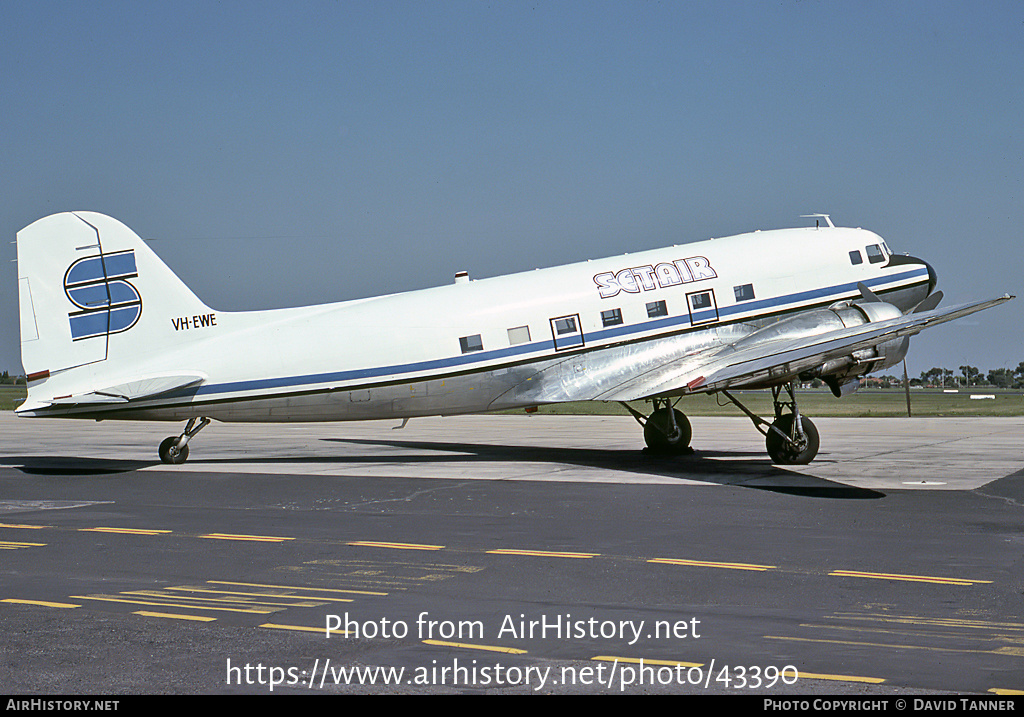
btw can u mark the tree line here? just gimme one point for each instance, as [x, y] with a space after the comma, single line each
[972, 376]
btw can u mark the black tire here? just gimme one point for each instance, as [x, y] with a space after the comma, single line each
[782, 452]
[173, 457]
[657, 427]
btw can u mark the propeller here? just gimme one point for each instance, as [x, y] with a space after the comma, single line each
[906, 386]
[930, 303]
[867, 293]
[927, 305]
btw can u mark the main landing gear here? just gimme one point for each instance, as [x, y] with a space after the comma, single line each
[174, 449]
[791, 439]
[666, 430]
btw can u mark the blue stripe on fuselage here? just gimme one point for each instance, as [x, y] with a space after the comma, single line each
[772, 305]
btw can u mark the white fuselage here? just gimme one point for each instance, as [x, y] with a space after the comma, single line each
[495, 343]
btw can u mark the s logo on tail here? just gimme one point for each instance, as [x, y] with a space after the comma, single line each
[99, 287]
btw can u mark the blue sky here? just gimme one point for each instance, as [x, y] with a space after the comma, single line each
[281, 154]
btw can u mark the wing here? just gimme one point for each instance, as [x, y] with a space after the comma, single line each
[779, 360]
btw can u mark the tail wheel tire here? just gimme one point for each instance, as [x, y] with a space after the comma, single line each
[657, 431]
[785, 453]
[172, 455]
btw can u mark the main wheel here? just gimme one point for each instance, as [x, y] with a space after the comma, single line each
[781, 451]
[657, 432]
[170, 453]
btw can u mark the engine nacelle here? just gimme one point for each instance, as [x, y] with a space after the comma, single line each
[888, 353]
[840, 372]
[891, 353]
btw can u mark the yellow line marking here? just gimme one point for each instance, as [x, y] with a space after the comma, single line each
[542, 553]
[14, 544]
[321, 600]
[911, 578]
[871, 629]
[711, 564]
[301, 628]
[841, 678]
[158, 594]
[171, 604]
[198, 618]
[679, 663]
[638, 660]
[295, 587]
[126, 531]
[398, 546]
[40, 602]
[1000, 651]
[885, 627]
[488, 648]
[939, 621]
[257, 538]
[1004, 691]
[23, 527]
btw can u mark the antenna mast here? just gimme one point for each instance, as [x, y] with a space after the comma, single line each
[819, 216]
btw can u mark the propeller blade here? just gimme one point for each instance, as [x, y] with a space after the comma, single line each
[930, 303]
[867, 293]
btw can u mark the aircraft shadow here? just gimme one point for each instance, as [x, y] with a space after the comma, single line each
[69, 466]
[722, 468]
[701, 466]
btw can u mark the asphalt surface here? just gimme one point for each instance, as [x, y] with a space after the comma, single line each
[516, 554]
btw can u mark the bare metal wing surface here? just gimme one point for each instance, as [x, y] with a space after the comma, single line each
[758, 363]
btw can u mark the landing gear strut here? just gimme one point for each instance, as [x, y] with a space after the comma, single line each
[666, 430]
[174, 449]
[791, 439]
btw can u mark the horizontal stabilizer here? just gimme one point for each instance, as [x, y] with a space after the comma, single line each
[133, 390]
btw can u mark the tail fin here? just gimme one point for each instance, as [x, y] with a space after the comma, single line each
[92, 293]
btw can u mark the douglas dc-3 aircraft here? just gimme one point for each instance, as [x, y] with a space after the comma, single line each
[109, 332]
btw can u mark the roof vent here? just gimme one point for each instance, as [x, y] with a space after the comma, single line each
[462, 277]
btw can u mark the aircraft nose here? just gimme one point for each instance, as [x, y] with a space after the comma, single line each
[900, 259]
[913, 296]
[933, 278]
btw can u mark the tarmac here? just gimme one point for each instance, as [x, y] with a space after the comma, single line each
[869, 453]
[512, 554]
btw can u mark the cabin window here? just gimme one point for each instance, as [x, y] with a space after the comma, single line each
[519, 335]
[565, 325]
[700, 301]
[612, 317]
[566, 331]
[471, 343]
[744, 293]
[856, 258]
[703, 309]
[657, 308]
[875, 255]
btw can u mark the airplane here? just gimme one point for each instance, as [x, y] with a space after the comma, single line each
[108, 331]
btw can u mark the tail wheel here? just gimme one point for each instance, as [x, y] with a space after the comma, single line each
[170, 453]
[659, 435]
[801, 451]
